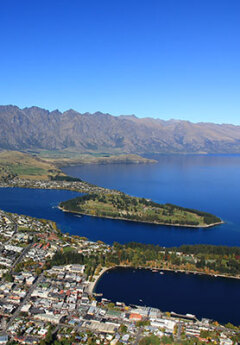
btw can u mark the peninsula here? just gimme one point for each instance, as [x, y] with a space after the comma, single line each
[48, 278]
[122, 206]
[23, 170]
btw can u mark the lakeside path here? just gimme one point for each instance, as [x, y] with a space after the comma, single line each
[92, 285]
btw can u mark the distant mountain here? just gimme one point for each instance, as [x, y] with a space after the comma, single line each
[36, 128]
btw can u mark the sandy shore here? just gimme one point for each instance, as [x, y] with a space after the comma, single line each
[92, 285]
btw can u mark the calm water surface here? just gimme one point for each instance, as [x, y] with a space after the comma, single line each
[203, 296]
[209, 183]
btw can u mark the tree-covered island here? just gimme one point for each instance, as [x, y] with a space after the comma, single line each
[122, 206]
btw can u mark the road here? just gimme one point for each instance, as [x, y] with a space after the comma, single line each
[25, 300]
[179, 331]
[138, 336]
[23, 253]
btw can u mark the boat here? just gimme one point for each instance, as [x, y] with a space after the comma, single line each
[154, 271]
[161, 272]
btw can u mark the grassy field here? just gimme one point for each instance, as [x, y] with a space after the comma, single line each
[14, 163]
[123, 206]
[64, 158]
[46, 165]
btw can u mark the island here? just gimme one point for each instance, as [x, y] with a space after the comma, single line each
[125, 207]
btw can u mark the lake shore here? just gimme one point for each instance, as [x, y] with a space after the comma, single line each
[146, 222]
[93, 284]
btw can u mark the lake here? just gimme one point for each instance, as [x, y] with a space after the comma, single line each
[203, 296]
[205, 182]
[208, 183]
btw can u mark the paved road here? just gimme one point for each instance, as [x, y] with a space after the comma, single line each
[24, 252]
[138, 336]
[179, 331]
[25, 300]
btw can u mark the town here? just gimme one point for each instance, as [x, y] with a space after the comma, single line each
[78, 185]
[41, 302]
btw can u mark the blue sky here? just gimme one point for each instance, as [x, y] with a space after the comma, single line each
[164, 58]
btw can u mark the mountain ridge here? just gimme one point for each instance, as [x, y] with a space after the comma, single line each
[38, 128]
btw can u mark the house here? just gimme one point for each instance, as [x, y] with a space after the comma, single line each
[3, 339]
[76, 268]
[30, 280]
[125, 338]
[55, 319]
[225, 341]
[135, 317]
[42, 332]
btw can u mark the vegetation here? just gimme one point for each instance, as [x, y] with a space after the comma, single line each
[65, 178]
[202, 258]
[126, 207]
[73, 257]
[150, 340]
[64, 158]
[154, 340]
[207, 259]
[22, 165]
[8, 277]
[67, 257]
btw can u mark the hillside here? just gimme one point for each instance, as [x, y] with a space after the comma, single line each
[22, 165]
[58, 158]
[38, 129]
[122, 206]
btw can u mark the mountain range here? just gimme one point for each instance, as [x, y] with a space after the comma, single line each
[36, 128]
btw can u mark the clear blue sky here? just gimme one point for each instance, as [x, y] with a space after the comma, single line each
[161, 58]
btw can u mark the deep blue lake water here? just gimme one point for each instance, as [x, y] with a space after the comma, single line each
[203, 296]
[209, 183]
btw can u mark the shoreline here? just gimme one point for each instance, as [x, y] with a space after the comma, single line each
[93, 284]
[63, 165]
[105, 269]
[144, 222]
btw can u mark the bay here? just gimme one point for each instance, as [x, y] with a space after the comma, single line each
[208, 183]
[200, 295]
